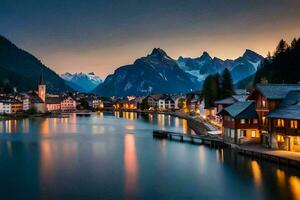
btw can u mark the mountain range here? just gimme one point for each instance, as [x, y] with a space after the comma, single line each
[22, 70]
[82, 82]
[159, 73]
[154, 73]
[240, 68]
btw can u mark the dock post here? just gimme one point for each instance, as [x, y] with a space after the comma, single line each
[181, 138]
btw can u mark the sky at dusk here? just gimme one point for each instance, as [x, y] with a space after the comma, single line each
[101, 35]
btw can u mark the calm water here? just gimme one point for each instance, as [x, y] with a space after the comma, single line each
[113, 156]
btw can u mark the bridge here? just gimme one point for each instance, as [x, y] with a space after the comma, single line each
[212, 141]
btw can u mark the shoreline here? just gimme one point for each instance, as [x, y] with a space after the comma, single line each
[254, 151]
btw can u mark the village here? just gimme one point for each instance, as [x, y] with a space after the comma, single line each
[268, 115]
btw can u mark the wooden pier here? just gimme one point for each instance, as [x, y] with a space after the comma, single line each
[213, 142]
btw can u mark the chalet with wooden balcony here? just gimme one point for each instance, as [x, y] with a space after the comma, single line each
[285, 123]
[267, 98]
[240, 123]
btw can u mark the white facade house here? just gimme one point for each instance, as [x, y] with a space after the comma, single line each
[1, 108]
[7, 107]
[26, 104]
[166, 103]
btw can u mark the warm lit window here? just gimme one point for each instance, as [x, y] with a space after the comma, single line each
[263, 103]
[255, 121]
[280, 122]
[243, 121]
[280, 138]
[253, 133]
[264, 120]
[294, 124]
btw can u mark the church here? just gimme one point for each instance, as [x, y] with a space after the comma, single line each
[38, 98]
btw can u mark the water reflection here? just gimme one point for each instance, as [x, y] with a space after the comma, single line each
[295, 187]
[130, 166]
[108, 163]
[256, 171]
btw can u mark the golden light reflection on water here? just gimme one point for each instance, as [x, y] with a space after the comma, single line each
[256, 171]
[220, 156]
[280, 174]
[184, 126]
[47, 161]
[295, 187]
[44, 126]
[117, 114]
[130, 165]
[176, 122]
[161, 121]
[53, 154]
[202, 159]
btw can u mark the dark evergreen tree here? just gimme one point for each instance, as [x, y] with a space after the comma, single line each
[210, 91]
[227, 89]
[283, 66]
[144, 104]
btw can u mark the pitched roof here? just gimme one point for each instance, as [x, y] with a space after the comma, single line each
[226, 101]
[244, 109]
[276, 91]
[289, 107]
[53, 100]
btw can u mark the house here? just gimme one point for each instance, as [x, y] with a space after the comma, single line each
[223, 103]
[153, 99]
[240, 123]
[16, 106]
[94, 102]
[26, 101]
[53, 103]
[68, 104]
[5, 107]
[1, 108]
[267, 98]
[284, 123]
[165, 102]
[193, 101]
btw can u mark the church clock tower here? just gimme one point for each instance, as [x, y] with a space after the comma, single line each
[42, 88]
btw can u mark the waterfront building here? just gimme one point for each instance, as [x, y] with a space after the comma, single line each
[94, 102]
[240, 123]
[193, 101]
[6, 106]
[68, 104]
[276, 124]
[1, 107]
[152, 100]
[53, 104]
[16, 106]
[165, 102]
[42, 88]
[285, 123]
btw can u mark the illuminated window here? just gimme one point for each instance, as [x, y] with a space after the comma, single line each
[280, 122]
[294, 124]
[243, 121]
[253, 133]
[255, 121]
[263, 103]
[280, 138]
[264, 120]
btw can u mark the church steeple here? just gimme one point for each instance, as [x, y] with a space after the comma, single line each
[42, 88]
[42, 81]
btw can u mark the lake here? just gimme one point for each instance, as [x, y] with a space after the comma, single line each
[114, 156]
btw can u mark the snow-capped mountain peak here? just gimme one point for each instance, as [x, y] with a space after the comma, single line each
[81, 81]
